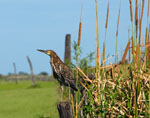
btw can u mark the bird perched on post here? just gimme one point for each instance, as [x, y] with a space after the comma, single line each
[60, 71]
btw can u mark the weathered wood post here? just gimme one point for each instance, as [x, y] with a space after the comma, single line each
[31, 69]
[64, 110]
[15, 72]
[67, 56]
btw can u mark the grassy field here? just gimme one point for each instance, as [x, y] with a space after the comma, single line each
[23, 101]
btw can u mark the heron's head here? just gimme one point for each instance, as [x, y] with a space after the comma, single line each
[48, 52]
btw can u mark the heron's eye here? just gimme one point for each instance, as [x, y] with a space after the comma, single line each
[48, 52]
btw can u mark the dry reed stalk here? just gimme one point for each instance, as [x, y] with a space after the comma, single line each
[136, 19]
[103, 49]
[149, 33]
[108, 58]
[77, 76]
[98, 73]
[146, 36]
[118, 22]
[116, 57]
[137, 54]
[84, 75]
[106, 25]
[84, 86]
[129, 44]
[99, 65]
[146, 43]
[81, 101]
[142, 8]
[72, 104]
[126, 51]
[97, 40]
[131, 10]
[109, 66]
[129, 54]
[79, 35]
[148, 9]
[103, 53]
[148, 48]
[142, 44]
[140, 25]
[148, 54]
[97, 53]
[132, 45]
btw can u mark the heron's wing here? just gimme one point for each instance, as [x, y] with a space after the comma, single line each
[66, 74]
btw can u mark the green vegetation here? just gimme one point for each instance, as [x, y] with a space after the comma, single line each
[23, 101]
[121, 89]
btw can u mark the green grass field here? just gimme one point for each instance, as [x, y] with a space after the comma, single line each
[23, 101]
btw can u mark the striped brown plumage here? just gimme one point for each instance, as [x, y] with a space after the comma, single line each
[60, 71]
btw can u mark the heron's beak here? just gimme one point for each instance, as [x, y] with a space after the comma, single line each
[48, 52]
[44, 51]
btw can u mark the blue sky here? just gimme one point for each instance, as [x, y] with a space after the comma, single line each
[27, 25]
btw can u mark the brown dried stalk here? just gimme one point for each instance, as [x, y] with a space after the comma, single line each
[148, 9]
[126, 51]
[103, 49]
[142, 8]
[137, 54]
[132, 45]
[129, 54]
[129, 44]
[142, 44]
[79, 35]
[84, 86]
[84, 75]
[118, 22]
[72, 101]
[141, 18]
[106, 25]
[136, 18]
[131, 10]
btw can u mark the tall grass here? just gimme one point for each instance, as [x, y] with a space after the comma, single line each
[122, 90]
[106, 26]
[116, 55]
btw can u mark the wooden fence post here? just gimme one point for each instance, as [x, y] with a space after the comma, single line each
[15, 72]
[31, 69]
[64, 110]
[67, 56]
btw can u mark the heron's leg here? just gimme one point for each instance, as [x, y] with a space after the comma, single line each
[69, 91]
[62, 92]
